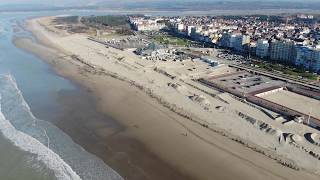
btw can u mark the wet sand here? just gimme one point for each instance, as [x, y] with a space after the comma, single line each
[101, 135]
[151, 141]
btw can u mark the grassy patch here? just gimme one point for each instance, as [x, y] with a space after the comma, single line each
[67, 20]
[171, 40]
[115, 23]
[292, 71]
[109, 20]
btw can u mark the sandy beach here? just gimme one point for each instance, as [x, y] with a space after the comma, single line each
[159, 133]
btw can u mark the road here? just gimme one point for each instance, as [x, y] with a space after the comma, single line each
[277, 76]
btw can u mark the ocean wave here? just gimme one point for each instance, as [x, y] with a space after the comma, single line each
[26, 143]
[52, 146]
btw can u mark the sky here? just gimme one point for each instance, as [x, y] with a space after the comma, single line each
[50, 2]
[92, 2]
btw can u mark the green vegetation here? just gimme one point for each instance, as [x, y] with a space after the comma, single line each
[117, 23]
[108, 20]
[66, 20]
[292, 71]
[171, 40]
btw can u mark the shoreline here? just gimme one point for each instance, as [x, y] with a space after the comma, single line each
[168, 155]
[117, 156]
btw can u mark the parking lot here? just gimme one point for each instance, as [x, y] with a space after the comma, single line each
[245, 82]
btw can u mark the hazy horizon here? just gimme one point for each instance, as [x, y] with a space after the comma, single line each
[175, 5]
[92, 2]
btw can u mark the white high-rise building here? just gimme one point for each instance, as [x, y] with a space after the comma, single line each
[179, 27]
[189, 30]
[308, 57]
[262, 50]
[235, 41]
[232, 40]
[283, 51]
[227, 40]
[239, 41]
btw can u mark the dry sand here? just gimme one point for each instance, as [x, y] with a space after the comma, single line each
[295, 101]
[182, 145]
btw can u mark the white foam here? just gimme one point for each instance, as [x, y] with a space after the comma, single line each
[26, 143]
[75, 162]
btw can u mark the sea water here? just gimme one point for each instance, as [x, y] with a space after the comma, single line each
[31, 148]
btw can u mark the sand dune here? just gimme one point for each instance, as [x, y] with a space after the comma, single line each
[193, 135]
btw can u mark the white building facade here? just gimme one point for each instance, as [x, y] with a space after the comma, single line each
[262, 50]
[308, 57]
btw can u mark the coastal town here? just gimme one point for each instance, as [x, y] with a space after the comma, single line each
[292, 40]
[159, 90]
[252, 80]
